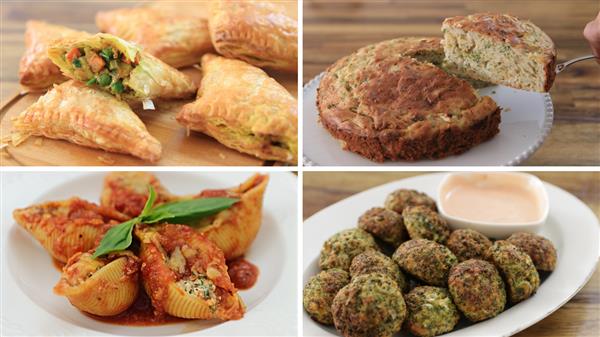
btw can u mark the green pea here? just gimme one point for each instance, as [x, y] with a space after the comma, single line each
[107, 54]
[104, 79]
[118, 87]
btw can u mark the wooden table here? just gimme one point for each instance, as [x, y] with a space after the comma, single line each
[336, 29]
[579, 317]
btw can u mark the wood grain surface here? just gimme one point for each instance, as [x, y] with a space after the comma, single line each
[579, 317]
[179, 149]
[333, 29]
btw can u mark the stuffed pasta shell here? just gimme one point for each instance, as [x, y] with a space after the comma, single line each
[127, 192]
[234, 229]
[67, 227]
[104, 286]
[119, 67]
[185, 274]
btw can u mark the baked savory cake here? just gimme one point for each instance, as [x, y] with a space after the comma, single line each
[389, 101]
[501, 49]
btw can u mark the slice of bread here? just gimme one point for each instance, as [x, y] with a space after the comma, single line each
[500, 49]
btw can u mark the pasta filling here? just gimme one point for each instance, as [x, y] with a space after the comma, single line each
[200, 286]
[80, 271]
[106, 67]
[193, 282]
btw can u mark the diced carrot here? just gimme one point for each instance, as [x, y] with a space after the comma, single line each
[125, 59]
[96, 62]
[73, 53]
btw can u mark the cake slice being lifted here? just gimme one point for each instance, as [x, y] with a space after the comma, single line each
[501, 49]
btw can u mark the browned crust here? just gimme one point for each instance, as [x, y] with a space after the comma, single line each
[448, 142]
[550, 72]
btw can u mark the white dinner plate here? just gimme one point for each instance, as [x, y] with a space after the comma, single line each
[526, 121]
[28, 275]
[571, 226]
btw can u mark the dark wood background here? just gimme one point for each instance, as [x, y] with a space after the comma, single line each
[579, 317]
[333, 29]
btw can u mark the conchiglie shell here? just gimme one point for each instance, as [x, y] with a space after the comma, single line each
[109, 291]
[234, 229]
[59, 233]
[162, 283]
[76, 239]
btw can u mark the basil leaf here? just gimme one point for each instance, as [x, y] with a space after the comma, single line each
[149, 202]
[188, 210]
[117, 238]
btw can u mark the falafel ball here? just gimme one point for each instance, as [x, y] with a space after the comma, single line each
[371, 305]
[468, 244]
[398, 200]
[319, 292]
[520, 275]
[339, 250]
[540, 250]
[430, 311]
[422, 222]
[477, 289]
[426, 260]
[384, 224]
[372, 261]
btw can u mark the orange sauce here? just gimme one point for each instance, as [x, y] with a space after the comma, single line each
[498, 198]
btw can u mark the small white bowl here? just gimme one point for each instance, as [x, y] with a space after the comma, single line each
[497, 230]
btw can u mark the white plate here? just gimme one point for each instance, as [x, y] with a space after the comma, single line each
[526, 121]
[571, 225]
[28, 275]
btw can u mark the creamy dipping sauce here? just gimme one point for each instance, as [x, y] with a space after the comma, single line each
[494, 198]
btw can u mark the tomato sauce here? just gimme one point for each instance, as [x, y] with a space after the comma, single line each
[58, 265]
[243, 274]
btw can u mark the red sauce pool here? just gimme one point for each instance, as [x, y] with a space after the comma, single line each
[243, 274]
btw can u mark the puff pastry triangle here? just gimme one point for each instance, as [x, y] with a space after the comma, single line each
[114, 65]
[85, 116]
[262, 33]
[176, 39]
[245, 109]
[36, 71]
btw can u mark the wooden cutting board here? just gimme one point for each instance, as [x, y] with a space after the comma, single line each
[179, 148]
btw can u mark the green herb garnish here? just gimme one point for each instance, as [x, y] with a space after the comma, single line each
[91, 81]
[182, 212]
[76, 63]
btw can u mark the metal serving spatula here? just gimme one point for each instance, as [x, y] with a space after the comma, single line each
[561, 66]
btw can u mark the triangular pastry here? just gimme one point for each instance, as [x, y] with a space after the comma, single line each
[36, 71]
[89, 117]
[244, 109]
[262, 33]
[119, 67]
[176, 39]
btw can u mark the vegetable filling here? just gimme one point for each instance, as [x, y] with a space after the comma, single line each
[107, 68]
